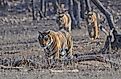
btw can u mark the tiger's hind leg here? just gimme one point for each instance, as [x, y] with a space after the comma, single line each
[96, 31]
[57, 58]
[70, 46]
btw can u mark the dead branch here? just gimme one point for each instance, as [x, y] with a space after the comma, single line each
[27, 62]
[10, 67]
[112, 45]
[96, 57]
[61, 71]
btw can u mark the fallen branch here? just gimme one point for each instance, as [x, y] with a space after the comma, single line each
[61, 71]
[10, 67]
[96, 57]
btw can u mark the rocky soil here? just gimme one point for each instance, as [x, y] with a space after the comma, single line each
[18, 41]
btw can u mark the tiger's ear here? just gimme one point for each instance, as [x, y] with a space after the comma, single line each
[40, 32]
[48, 31]
[61, 15]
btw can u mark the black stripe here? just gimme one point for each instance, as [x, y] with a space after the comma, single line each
[63, 32]
[52, 48]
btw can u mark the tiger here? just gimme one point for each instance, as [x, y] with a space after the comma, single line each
[56, 44]
[64, 21]
[93, 25]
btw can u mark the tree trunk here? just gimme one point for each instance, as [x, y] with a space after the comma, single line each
[3, 2]
[33, 12]
[66, 4]
[74, 22]
[77, 12]
[0, 3]
[41, 15]
[88, 7]
[43, 7]
[82, 9]
[56, 6]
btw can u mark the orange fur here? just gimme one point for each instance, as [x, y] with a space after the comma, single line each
[64, 21]
[93, 26]
[54, 43]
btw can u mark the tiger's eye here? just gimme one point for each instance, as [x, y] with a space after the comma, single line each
[90, 18]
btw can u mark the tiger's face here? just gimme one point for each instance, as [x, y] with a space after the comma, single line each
[44, 39]
[90, 17]
[63, 20]
[60, 20]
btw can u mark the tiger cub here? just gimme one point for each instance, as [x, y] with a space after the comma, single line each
[93, 26]
[56, 44]
[64, 21]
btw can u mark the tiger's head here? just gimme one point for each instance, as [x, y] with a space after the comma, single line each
[45, 39]
[59, 19]
[91, 16]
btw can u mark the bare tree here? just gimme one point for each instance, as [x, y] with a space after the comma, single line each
[42, 9]
[74, 22]
[33, 12]
[77, 12]
[88, 6]
[0, 2]
[82, 9]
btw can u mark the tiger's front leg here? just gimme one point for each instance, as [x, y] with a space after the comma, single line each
[54, 59]
[96, 31]
[68, 59]
[46, 62]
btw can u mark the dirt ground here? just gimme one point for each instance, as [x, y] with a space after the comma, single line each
[19, 41]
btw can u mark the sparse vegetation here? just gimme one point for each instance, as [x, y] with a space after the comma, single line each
[21, 56]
